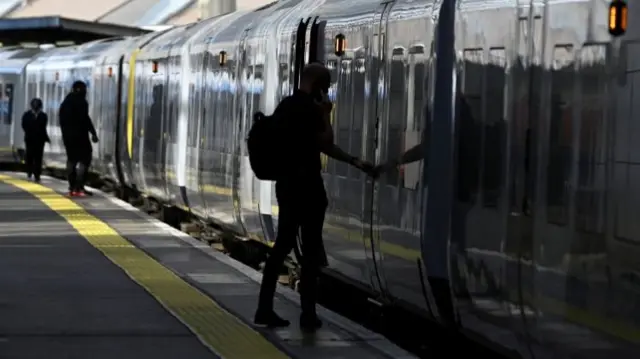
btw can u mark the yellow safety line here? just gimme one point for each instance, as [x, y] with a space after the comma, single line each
[227, 335]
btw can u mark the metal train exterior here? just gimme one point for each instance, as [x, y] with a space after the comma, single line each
[542, 259]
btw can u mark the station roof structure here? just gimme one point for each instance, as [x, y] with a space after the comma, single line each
[56, 29]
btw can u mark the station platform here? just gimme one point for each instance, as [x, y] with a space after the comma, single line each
[96, 278]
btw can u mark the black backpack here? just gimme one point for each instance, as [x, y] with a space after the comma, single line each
[265, 146]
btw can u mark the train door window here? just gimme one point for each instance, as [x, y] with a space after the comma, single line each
[216, 98]
[358, 104]
[415, 111]
[198, 104]
[396, 116]
[175, 95]
[5, 115]
[31, 88]
[8, 94]
[210, 98]
[560, 133]
[494, 128]
[4, 106]
[193, 110]
[344, 115]
[224, 111]
[332, 66]
[469, 117]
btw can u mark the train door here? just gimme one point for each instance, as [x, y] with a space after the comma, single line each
[377, 105]
[397, 198]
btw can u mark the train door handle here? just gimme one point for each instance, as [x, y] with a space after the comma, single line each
[376, 135]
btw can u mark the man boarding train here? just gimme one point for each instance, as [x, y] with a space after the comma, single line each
[286, 147]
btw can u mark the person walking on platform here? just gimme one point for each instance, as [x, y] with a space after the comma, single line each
[304, 118]
[34, 125]
[76, 125]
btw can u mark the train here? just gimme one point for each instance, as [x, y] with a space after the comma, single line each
[539, 258]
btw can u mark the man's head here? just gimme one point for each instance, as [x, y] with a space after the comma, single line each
[36, 104]
[79, 88]
[315, 78]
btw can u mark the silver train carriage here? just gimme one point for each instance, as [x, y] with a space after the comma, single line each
[13, 61]
[523, 206]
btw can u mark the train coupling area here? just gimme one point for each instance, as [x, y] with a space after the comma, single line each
[94, 277]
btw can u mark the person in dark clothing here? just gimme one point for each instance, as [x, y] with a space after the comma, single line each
[34, 125]
[301, 195]
[76, 125]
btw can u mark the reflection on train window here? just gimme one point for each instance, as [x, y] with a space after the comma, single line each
[397, 115]
[590, 171]
[343, 114]
[192, 111]
[358, 100]
[332, 66]
[415, 113]
[560, 136]
[5, 115]
[471, 104]
[8, 96]
[494, 129]
[224, 110]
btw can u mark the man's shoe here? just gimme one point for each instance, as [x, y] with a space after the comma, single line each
[270, 319]
[310, 323]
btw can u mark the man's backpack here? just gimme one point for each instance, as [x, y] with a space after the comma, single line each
[265, 147]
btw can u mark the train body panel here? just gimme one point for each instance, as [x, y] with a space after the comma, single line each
[518, 225]
[13, 104]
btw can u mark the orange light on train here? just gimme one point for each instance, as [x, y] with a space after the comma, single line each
[154, 67]
[110, 71]
[340, 45]
[617, 17]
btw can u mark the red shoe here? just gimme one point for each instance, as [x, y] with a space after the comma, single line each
[79, 194]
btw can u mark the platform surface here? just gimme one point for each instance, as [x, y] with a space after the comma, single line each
[94, 277]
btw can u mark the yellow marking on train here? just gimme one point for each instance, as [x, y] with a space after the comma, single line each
[131, 101]
[227, 335]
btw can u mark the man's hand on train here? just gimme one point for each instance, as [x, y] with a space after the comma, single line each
[94, 139]
[384, 167]
[365, 166]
